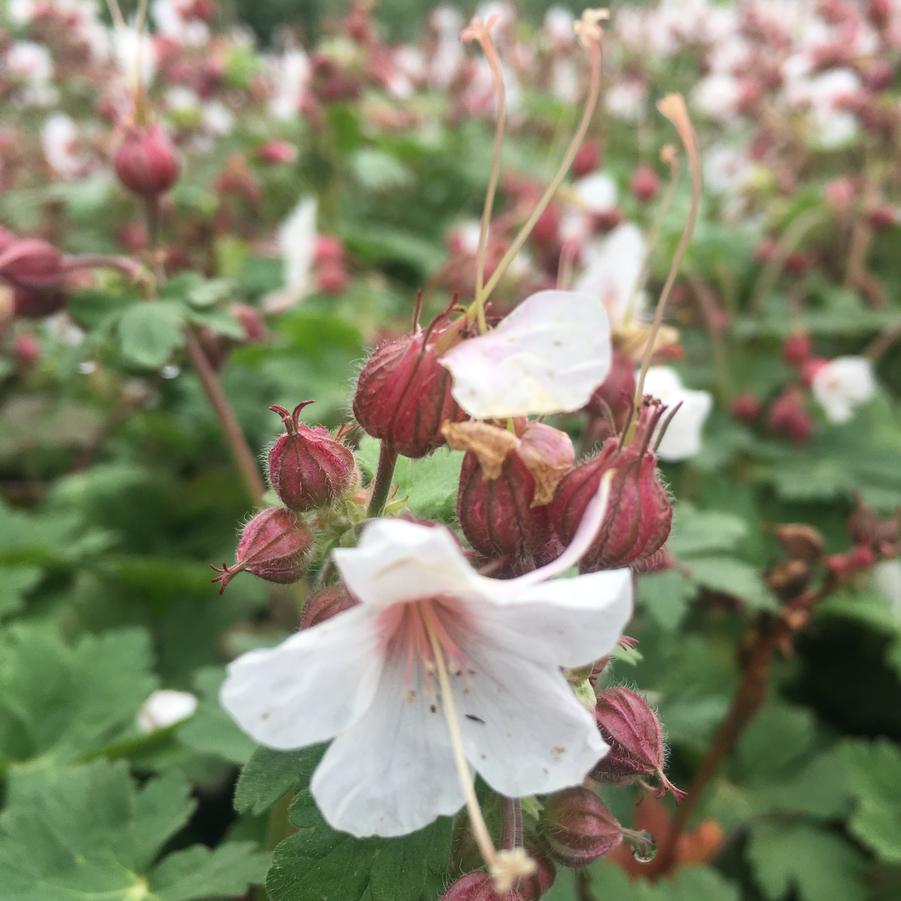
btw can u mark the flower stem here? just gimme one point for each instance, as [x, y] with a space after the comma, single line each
[673, 107]
[381, 484]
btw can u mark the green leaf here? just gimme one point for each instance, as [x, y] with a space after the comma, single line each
[608, 881]
[15, 583]
[268, 776]
[211, 730]
[665, 597]
[150, 332]
[319, 864]
[875, 773]
[426, 487]
[197, 291]
[88, 834]
[696, 530]
[734, 578]
[60, 703]
[818, 864]
[204, 873]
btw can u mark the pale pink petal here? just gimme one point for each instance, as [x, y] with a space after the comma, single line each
[523, 729]
[393, 771]
[311, 686]
[398, 560]
[682, 439]
[569, 622]
[547, 356]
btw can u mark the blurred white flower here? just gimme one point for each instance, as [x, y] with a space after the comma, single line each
[842, 384]
[717, 96]
[59, 138]
[134, 54]
[596, 193]
[547, 356]
[171, 21]
[297, 243]
[165, 708]
[290, 77]
[367, 677]
[682, 439]
[887, 578]
[612, 271]
[29, 62]
[558, 27]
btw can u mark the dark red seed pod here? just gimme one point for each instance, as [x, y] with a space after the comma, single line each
[31, 264]
[645, 183]
[788, 415]
[308, 466]
[324, 604]
[403, 394]
[746, 406]
[36, 303]
[578, 827]
[476, 886]
[613, 401]
[274, 545]
[797, 349]
[639, 514]
[146, 161]
[536, 886]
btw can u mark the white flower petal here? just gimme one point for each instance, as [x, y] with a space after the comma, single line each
[547, 356]
[392, 772]
[297, 243]
[596, 192]
[568, 622]
[843, 384]
[398, 560]
[311, 686]
[523, 729]
[165, 708]
[682, 439]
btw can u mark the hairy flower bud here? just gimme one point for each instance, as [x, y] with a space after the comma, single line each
[324, 604]
[578, 827]
[788, 415]
[639, 515]
[746, 406]
[506, 482]
[146, 161]
[635, 736]
[477, 886]
[613, 400]
[309, 467]
[645, 183]
[403, 394]
[797, 349]
[31, 264]
[536, 886]
[274, 546]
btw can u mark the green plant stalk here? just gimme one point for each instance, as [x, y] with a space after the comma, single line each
[381, 484]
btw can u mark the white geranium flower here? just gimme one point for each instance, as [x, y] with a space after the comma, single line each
[596, 193]
[683, 437]
[842, 384]
[58, 140]
[134, 54]
[887, 577]
[436, 666]
[558, 26]
[165, 708]
[297, 242]
[290, 79]
[717, 95]
[547, 356]
[612, 271]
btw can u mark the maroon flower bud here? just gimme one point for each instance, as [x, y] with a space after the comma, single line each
[331, 278]
[309, 467]
[146, 161]
[251, 321]
[587, 159]
[506, 482]
[788, 415]
[578, 827]
[274, 546]
[615, 398]
[746, 406]
[840, 194]
[645, 183]
[403, 394]
[329, 249]
[536, 886]
[27, 349]
[797, 349]
[859, 558]
[37, 303]
[639, 515]
[883, 215]
[547, 228]
[476, 887]
[324, 604]
[632, 730]
[31, 264]
[277, 152]
[799, 262]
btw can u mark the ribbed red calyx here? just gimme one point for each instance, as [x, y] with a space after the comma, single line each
[631, 728]
[506, 482]
[31, 264]
[146, 161]
[578, 827]
[639, 513]
[476, 886]
[274, 545]
[614, 399]
[324, 604]
[308, 466]
[534, 887]
[403, 395]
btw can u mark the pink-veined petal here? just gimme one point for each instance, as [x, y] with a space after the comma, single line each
[393, 771]
[398, 560]
[547, 356]
[311, 686]
[523, 729]
[566, 622]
